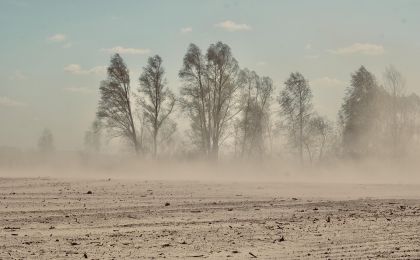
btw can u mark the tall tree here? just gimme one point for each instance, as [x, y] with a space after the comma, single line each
[360, 113]
[253, 123]
[395, 86]
[209, 94]
[195, 97]
[115, 106]
[296, 105]
[157, 100]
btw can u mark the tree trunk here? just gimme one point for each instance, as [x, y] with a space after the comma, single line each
[136, 146]
[155, 144]
[214, 154]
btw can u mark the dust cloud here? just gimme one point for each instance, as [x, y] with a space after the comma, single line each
[78, 165]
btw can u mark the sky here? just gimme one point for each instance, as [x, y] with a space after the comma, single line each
[53, 54]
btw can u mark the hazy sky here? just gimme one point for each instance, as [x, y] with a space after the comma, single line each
[53, 53]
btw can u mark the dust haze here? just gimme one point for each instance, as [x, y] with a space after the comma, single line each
[225, 161]
[111, 166]
[234, 125]
[253, 176]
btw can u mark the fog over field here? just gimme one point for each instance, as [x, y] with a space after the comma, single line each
[209, 129]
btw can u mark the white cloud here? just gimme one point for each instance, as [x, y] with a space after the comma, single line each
[308, 46]
[78, 70]
[73, 68]
[8, 102]
[326, 82]
[97, 70]
[360, 48]
[78, 90]
[231, 26]
[59, 37]
[261, 63]
[186, 30]
[123, 50]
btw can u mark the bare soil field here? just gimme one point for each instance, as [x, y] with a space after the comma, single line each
[45, 218]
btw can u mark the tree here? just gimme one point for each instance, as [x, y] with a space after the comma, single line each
[115, 105]
[195, 97]
[93, 137]
[360, 114]
[316, 136]
[208, 94]
[296, 106]
[158, 101]
[46, 142]
[410, 121]
[395, 86]
[252, 127]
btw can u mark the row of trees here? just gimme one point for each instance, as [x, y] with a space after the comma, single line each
[379, 119]
[228, 105]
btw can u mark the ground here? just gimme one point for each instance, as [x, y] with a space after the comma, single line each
[46, 218]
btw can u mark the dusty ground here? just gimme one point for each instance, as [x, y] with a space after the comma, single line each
[56, 218]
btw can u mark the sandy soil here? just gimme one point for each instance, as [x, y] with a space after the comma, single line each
[46, 218]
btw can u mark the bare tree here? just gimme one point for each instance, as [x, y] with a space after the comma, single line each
[115, 105]
[222, 70]
[317, 135]
[195, 97]
[209, 94]
[157, 101]
[252, 127]
[46, 142]
[395, 86]
[296, 105]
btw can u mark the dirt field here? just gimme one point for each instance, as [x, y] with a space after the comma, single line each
[103, 219]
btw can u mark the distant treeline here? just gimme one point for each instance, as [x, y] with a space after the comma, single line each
[244, 113]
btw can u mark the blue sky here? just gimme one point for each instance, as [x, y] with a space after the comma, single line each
[53, 53]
